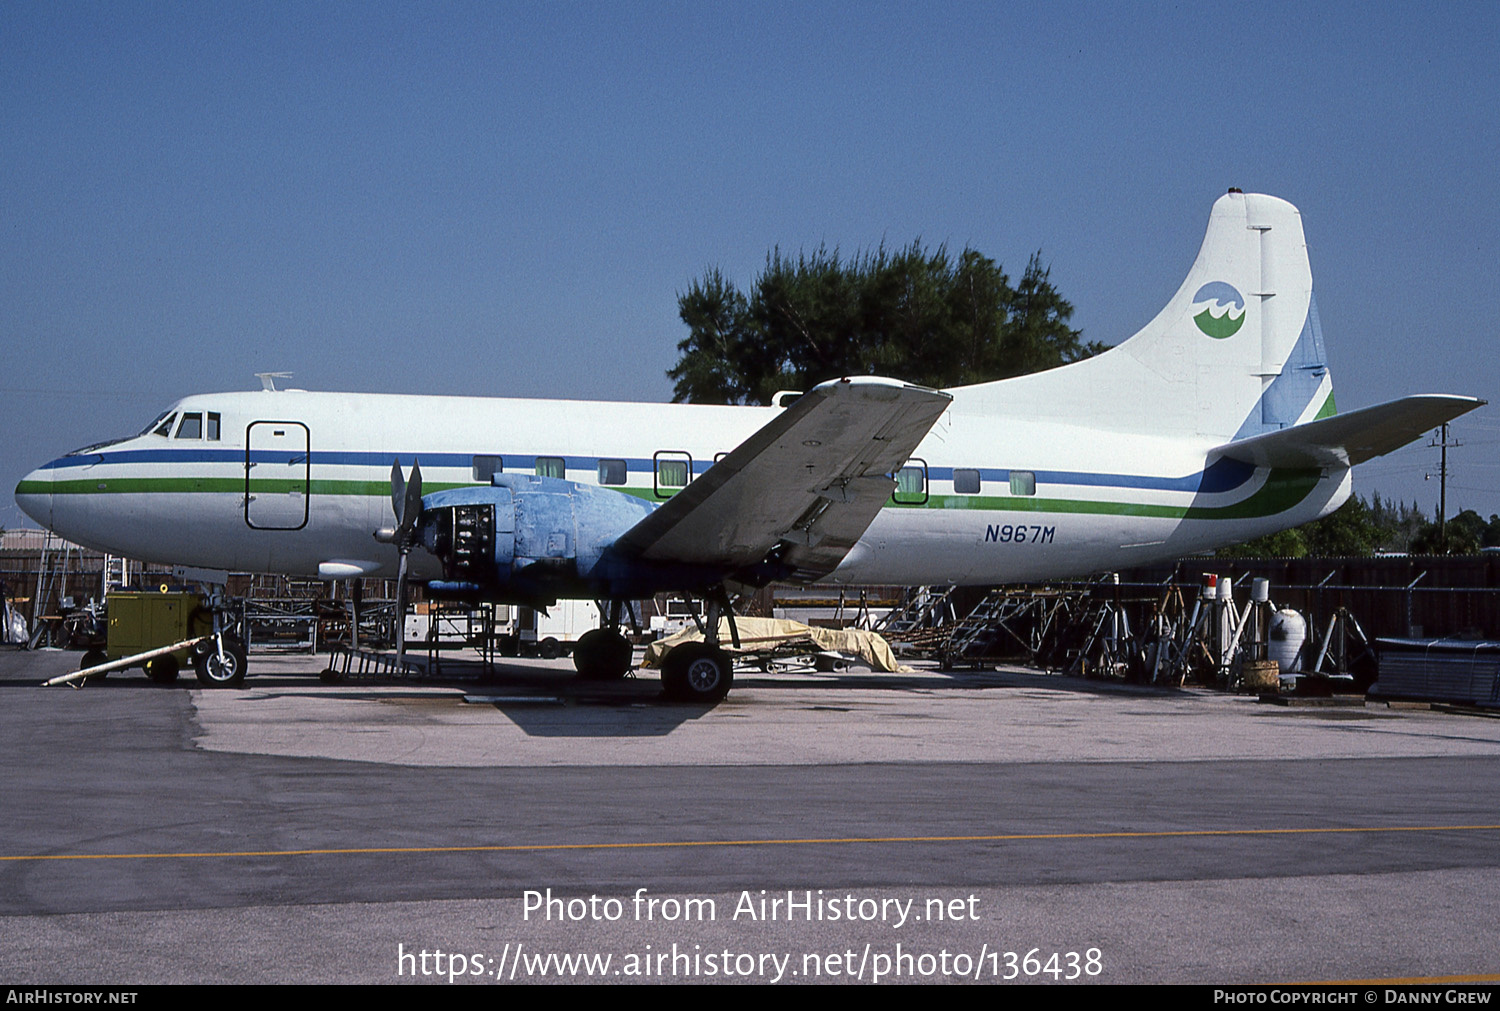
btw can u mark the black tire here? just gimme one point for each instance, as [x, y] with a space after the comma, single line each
[163, 669]
[587, 654]
[549, 649]
[330, 676]
[93, 658]
[228, 672]
[697, 672]
[602, 654]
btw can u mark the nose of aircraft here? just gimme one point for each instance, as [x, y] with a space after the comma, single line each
[34, 496]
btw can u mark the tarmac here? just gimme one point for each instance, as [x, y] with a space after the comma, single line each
[926, 826]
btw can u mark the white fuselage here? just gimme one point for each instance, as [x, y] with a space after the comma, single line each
[297, 480]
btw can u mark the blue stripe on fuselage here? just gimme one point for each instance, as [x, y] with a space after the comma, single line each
[1221, 476]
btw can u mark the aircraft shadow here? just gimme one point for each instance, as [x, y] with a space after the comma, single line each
[551, 701]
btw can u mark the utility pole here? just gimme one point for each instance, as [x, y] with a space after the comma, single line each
[1442, 443]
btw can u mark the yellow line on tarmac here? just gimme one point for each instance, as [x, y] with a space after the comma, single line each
[688, 844]
[1403, 981]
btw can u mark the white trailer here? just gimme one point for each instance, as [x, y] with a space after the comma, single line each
[553, 633]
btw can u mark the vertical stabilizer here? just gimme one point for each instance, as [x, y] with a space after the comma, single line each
[1236, 352]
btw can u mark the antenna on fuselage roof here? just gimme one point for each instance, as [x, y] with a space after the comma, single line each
[268, 380]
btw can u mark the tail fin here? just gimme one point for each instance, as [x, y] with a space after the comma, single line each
[1236, 353]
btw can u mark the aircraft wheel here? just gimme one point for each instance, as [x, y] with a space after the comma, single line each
[602, 654]
[697, 672]
[549, 649]
[163, 669]
[227, 671]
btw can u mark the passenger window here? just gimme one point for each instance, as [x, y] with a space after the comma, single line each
[211, 429]
[673, 471]
[911, 484]
[611, 471]
[165, 428]
[191, 426]
[1022, 482]
[965, 481]
[486, 467]
[551, 466]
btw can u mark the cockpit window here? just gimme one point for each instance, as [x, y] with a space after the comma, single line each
[211, 427]
[160, 425]
[191, 426]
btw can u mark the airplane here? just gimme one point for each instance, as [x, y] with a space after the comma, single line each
[1214, 424]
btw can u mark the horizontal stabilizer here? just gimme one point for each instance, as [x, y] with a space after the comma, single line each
[1348, 439]
[811, 480]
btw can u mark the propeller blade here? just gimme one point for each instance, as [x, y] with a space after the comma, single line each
[401, 609]
[406, 502]
[398, 490]
[412, 508]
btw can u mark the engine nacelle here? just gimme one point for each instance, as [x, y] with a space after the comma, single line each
[526, 538]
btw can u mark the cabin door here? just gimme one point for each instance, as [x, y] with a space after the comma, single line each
[277, 471]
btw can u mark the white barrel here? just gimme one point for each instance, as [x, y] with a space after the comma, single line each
[1260, 590]
[1288, 633]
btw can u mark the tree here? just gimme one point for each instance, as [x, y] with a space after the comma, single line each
[1398, 522]
[715, 314]
[1282, 544]
[1466, 535]
[1350, 531]
[919, 315]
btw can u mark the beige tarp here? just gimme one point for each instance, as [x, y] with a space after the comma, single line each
[767, 633]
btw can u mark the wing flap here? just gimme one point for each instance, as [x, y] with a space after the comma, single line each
[812, 479]
[1348, 439]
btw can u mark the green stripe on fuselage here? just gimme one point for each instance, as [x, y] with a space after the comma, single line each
[1283, 489]
[217, 485]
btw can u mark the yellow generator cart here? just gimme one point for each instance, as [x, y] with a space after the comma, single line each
[140, 622]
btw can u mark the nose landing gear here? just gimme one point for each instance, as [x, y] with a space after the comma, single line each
[220, 669]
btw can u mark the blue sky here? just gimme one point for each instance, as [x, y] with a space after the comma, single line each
[506, 199]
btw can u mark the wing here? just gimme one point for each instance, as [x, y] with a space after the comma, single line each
[811, 481]
[1347, 439]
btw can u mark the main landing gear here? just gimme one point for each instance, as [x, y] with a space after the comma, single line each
[604, 654]
[702, 671]
[699, 672]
